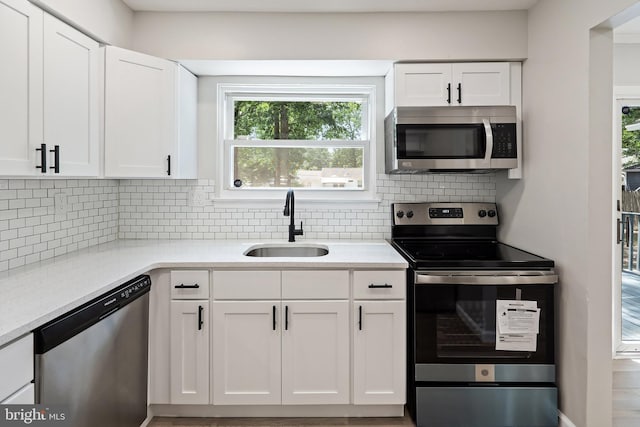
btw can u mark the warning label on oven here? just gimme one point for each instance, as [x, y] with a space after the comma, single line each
[517, 325]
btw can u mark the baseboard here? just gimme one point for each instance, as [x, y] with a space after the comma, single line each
[564, 420]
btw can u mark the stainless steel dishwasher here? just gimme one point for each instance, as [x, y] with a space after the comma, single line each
[93, 359]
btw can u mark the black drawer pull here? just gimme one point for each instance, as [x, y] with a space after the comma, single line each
[200, 320]
[386, 285]
[360, 317]
[183, 286]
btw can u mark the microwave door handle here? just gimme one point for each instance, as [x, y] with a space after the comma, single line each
[489, 146]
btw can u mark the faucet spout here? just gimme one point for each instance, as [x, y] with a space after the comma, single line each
[289, 210]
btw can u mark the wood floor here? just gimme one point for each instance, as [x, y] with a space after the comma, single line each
[280, 422]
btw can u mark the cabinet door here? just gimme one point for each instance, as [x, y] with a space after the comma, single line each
[189, 352]
[246, 353]
[423, 85]
[24, 396]
[315, 352]
[139, 114]
[71, 103]
[20, 87]
[379, 356]
[482, 83]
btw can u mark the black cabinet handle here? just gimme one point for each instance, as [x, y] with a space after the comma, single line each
[459, 93]
[183, 286]
[43, 158]
[286, 317]
[200, 321]
[274, 317]
[360, 317]
[56, 159]
[373, 286]
[449, 93]
[169, 165]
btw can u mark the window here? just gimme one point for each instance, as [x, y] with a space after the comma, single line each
[314, 139]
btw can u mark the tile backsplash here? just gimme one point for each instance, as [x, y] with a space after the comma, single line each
[161, 209]
[40, 219]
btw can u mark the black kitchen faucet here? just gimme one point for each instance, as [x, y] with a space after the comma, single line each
[289, 210]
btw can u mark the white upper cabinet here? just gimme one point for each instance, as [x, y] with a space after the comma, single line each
[49, 95]
[20, 86]
[71, 99]
[484, 83]
[146, 134]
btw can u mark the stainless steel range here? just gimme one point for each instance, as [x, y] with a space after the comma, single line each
[480, 320]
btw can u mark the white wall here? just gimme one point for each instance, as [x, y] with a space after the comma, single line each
[626, 64]
[562, 207]
[419, 36]
[109, 21]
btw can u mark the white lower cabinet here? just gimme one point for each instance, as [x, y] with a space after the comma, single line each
[291, 338]
[246, 353]
[24, 396]
[16, 371]
[189, 337]
[379, 343]
[291, 347]
[315, 352]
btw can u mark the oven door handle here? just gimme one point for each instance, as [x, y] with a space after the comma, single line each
[530, 278]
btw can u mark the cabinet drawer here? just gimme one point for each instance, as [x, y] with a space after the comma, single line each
[241, 285]
[315, 284]
[190, 284]
[382, 284]
[16, 365]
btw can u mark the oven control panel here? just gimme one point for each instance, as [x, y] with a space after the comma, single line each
[426, 213]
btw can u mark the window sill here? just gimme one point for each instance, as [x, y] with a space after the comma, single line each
[368, 204]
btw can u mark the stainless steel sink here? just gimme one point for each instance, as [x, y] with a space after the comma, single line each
[287, 250]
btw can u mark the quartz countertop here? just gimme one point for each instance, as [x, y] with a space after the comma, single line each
[32, 295]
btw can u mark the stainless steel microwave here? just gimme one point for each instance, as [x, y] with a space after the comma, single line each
[422, 139]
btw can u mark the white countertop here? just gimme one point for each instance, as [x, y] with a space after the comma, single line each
[31, 296]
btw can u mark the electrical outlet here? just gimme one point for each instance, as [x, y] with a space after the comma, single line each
[61, 203]
[197, 198]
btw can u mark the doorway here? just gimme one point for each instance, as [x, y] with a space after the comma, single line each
[627, 158]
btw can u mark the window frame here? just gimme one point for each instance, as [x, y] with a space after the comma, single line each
[228, 93]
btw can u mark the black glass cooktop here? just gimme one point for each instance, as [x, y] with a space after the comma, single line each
[467, 254]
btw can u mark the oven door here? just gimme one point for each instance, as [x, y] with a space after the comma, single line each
[454, 326]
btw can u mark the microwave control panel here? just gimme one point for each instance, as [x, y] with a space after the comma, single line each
[504, 141]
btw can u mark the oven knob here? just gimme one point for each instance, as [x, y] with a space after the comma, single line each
[410, 214]
[491, 213]
[482, 213]
[400, 214]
